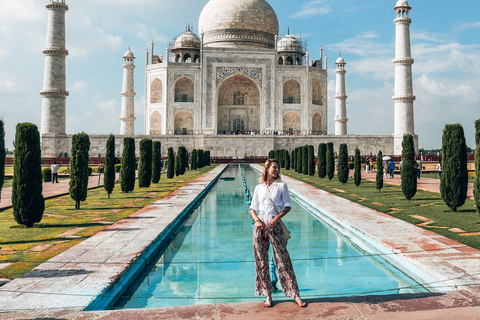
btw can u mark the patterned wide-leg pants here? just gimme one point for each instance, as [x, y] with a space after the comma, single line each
[286, 275]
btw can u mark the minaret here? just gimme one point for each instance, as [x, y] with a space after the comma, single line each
[54, 94]
[127, 117]
[403, 96]
[340, 99]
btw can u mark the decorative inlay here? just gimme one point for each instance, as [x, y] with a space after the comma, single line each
[225, 72]
[412, 98]
[403, 61]
[178, 109]
[180, 75]
[298, 79]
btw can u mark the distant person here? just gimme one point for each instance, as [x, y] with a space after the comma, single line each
[385, 170]
[392, 169]
[418, 167]
[271, 202]
[439, 169]
[101, 169]
[401, 165]
[54, 168]
[367, 166]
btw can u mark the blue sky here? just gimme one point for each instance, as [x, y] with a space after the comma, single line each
[445, 46]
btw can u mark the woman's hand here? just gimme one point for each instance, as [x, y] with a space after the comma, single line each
[259, 225]
[271, 224]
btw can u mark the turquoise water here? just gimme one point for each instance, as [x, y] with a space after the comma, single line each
[211, 258]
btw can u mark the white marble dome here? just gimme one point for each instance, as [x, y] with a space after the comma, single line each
[340, 60]
[187, 40]
[402, 3]
[238, 24]
[129, 54]
[289, 43]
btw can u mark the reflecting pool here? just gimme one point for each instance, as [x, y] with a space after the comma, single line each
[211, 258]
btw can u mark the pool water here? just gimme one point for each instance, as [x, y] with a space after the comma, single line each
[211, 258]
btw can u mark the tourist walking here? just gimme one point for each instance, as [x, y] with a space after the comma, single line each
[270, 203]
[439, 169]
[392, 169]
[54, 168]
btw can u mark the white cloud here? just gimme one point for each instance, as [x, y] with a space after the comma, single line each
[79, 86]
[312, 8]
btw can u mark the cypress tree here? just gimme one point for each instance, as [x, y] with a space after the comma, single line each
[287, 160]
[330, 161]
[477, 132]
[109, 176]
[177, 165]
[293, 159]
[343, 163]
[2, 156]
[194, 159]
[311, 160]
[322, 160]
[409, 176]
[281, 154]
[187, 167]
[207, 157]
[357, 175]
[299, 160]
[181, 160]
[27, 199]
[200, 158]
[79, 171]
[379, 177]
[271, 154]
[145, 168]
[305, 159]
[170, 164]
[157, 161]
[454, 181]
[476, 184]
[127, 171]
[276, 154]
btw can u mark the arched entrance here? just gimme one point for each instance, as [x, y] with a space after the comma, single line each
[238, 105]
[183, 123]
[317, 124]
[292, 123]
[155, 123]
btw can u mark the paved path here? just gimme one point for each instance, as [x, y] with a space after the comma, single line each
[50, 190]
[426, 184]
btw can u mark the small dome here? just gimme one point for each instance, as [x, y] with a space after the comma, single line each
[402, 3]
[187, 40]
[340, 60]
[289, 44]
[129, 54]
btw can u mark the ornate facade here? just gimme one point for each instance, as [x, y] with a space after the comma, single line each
[237, 77]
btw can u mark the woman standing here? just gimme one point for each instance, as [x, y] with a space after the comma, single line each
[272, 200]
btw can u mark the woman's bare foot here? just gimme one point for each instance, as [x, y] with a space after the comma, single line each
[300, 303]
[268, 302]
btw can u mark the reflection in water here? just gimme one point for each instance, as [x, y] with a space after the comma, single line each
[211, 258]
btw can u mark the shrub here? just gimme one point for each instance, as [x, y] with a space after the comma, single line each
[181, 160]
[90, 171]
[351, 165]
[2, 156]
[305, 159]
[322, 160]
[170, 164]
[207, 157]
[27, 199]
[118, 167]
[379, 177]
[110, 166]
[271, 154]
[157, 161]
[292, 165]
[127, 172]
[330, 161]
[194, 159]
[287, 160]
[357, 175]
[298, 159]
[145, 168]
[79, 169]
[477, 132]
[476, 184]
[47, 174]
[454, 181]
[409, 176]
[200, 158]
[343, 163]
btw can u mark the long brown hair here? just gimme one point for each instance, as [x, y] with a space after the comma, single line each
[268, 163]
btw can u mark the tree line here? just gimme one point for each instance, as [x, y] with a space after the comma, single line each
[27, 186]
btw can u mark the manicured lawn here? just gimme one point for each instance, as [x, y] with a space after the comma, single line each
[26, 248]
[391, 201]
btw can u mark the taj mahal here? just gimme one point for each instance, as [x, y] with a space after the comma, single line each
[237, 88]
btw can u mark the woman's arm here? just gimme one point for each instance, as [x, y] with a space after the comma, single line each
[258, 223]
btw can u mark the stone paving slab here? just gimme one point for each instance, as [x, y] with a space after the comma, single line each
[74, 278]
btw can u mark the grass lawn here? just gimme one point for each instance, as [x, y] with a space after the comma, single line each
[391, 201]
[25, 248]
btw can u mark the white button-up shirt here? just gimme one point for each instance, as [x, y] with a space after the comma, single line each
[261, 203]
